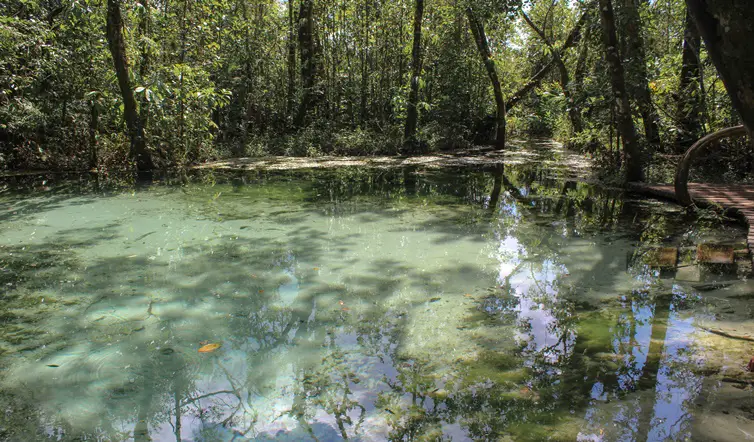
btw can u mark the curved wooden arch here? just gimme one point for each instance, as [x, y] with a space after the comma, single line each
[682, 171]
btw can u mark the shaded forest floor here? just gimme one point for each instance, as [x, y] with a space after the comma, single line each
[547, 152]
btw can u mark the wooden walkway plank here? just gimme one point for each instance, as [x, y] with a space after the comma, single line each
[737, 198]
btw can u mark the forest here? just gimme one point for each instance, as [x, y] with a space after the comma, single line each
[118, 84]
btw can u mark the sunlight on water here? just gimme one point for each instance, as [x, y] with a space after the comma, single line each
[360, 304]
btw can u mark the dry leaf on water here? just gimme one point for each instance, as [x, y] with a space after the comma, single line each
[209, 348]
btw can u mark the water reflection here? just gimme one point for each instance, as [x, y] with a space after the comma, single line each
[350, 304]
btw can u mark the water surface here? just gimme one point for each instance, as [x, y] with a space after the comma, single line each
[363, 304]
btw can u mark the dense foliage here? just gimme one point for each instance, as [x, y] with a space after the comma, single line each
[218, 78]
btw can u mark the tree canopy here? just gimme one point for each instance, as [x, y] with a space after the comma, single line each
[117, 83]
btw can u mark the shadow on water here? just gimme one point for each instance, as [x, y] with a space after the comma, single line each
[350, 304]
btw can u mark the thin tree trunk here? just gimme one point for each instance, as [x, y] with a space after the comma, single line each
[181, 105]
[291, 59]
[412, 115]
[625, 123]
[93, 127]
[727, 27]
[364, 65]
[636, 75]
[690, 90]
[573, 113]
[308, 60]
[117, 46]
[144, 64]
[477, 28]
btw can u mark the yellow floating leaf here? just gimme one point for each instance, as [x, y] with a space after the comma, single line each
[209, 348]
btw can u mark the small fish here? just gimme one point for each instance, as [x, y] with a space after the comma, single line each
[261, 291]
[209, 348]
[316, 269]
[144, 236]
[468, 295]
[53, 365]
[435, 299]
[345, 309]
[341, 303]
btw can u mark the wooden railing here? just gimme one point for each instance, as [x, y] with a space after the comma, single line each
[682, 171]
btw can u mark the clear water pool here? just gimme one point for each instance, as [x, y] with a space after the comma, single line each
[364, 305]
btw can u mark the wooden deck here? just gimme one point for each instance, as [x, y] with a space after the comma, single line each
[738, 199]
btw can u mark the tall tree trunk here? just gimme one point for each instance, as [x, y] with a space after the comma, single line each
[689, 112]
[636, 75]
[477, 28]
[182, 59]
[308, 60]
[144, 63]
[412, 115]
[365, 65]
[624, 122]
[727, 27]
[291, 59]
[117, 46]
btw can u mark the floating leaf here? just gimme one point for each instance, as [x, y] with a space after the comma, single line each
[209, 348]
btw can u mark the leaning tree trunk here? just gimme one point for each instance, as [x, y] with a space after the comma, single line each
[727, 27]
[308, 60]
[571, 40]
[690, 109]
[477, 28]
[617, 79]
[118, 50]
[574, 115]
[637, 72]
[412, 114]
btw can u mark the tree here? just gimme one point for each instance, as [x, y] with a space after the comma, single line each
[480, 37]
[725, 25]
[536, 80]
[617, 80]
[690, 90]
[636, 72]
[574, 114]
[117, 46]
[412, 115]
[309, 67]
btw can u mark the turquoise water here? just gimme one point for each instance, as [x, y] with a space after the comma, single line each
[365, 305]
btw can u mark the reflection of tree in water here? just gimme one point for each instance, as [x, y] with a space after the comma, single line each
[524, 390]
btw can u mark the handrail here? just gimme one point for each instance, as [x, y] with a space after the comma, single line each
[682, 171]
